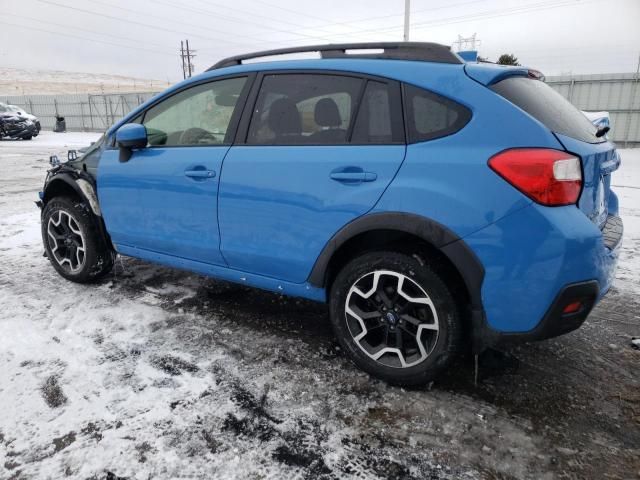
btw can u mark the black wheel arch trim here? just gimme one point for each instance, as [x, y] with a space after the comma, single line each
[70, 177]
[434, 233]
[66, 177]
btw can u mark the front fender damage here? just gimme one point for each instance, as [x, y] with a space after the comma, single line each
[61, 179]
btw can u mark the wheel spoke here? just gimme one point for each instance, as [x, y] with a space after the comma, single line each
[428, 326]
[385, 299]
[408, 318]
[399, 339]
[366, 315]
[67, 241]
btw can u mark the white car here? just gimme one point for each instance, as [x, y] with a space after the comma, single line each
[599, 119]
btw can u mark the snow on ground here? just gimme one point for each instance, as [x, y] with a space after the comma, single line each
[19, 81]
[626, 184]
[158, 373]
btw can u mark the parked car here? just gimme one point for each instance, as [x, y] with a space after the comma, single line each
[434, 205]
[600, 119]
[13, 109]
[15, 127]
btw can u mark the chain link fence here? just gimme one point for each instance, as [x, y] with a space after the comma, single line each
[618, 94]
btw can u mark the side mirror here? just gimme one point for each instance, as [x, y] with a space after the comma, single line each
[129, 137]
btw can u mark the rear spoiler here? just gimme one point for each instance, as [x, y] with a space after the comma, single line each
[490, 73]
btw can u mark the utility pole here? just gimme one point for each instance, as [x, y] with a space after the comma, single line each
[184, 71]
[407, 14]
[186, 55]
[190, 55]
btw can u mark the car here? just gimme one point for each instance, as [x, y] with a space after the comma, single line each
[599, 119]
[16, 127]
[13, 110]
[437, 207]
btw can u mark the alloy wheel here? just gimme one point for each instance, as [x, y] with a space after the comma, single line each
[66, 241]
[391, 319]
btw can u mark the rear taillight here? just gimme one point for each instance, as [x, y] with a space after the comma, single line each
[549, 177]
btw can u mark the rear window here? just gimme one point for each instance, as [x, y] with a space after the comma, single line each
[548, 107]
[432, 116]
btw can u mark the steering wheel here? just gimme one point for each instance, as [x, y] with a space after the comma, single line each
[195, 135]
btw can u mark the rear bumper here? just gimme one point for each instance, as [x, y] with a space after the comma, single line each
[537, 260]
[554, 323]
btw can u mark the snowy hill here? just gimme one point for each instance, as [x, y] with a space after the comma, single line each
[16, 81]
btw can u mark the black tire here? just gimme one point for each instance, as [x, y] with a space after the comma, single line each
[97, 257]
[440, 347]
[27, 138]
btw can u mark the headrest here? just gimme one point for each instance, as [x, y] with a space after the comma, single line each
[284, 118]
[326, 113]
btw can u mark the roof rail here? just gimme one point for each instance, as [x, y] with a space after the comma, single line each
[422, 51]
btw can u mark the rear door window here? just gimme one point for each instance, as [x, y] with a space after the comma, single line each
[431, 116]
[379, 118]
[548, 107]
[303, 109]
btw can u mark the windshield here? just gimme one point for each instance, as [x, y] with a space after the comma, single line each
[548, 107]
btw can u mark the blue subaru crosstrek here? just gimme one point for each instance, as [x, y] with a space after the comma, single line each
[435, 205]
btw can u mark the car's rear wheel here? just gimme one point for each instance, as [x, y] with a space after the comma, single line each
[72, 241]
[395, 317]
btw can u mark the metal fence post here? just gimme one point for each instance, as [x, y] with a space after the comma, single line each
[84, 128]
[91, 113]
[111, 112]
[573, 83]
[106, 111]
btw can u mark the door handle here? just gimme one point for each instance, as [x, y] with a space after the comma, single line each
[200, 173]
[352, 175]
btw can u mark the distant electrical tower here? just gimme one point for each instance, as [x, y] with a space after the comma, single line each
[186, 55]
[467, 43]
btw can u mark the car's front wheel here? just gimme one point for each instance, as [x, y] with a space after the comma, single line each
[395, 317]
[72, 241]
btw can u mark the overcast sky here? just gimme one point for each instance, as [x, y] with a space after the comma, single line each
[141, 38]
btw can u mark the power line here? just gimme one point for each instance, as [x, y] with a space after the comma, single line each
[257, 15]
[508, 12]
[172, 21]
[75, 27]
[218, 16]
[129, 21]
[481, 15]
[367, 19]
[296, 12]
[29, 27]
